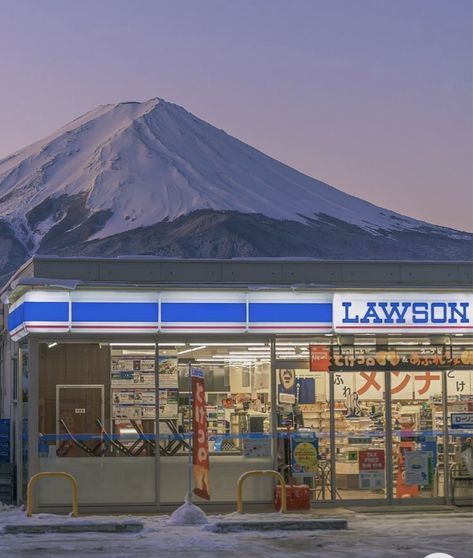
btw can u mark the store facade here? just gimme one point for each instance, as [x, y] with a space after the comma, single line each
[353, 379]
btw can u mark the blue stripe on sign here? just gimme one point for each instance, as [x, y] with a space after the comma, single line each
[46, 311]
[204, 312]
[279, 312]
[115, 312]
[16, 318]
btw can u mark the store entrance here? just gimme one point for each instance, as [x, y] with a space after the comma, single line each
[360, 434]
[303, 427]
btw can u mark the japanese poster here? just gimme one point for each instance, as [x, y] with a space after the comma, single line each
[168, 373]
[371, 465]
[358, 358]
[417, 468]
[304, 454]
[168, 402]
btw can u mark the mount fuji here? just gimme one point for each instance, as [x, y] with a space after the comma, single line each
[151, 178]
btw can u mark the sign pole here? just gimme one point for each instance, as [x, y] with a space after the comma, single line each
[189, 424]
[188, 513]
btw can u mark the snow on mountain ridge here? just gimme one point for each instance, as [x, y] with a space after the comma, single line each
[144, 163]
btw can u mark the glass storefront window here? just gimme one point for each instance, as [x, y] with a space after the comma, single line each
[359, 401]
[303, 415]
[460, 434]
[417, 422]
[96, 411]
[118, 416]
[237, 384]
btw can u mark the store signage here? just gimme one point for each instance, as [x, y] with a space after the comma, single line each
[358, 358]
[362, 312]
[417, 468]
[371, 464]
[319, 358]
[462, 420]
[200, 446]
[305, 450]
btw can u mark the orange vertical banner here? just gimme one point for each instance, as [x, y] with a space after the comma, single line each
[200, 446]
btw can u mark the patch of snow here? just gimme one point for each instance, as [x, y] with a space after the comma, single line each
[188, 514]
[371, 535]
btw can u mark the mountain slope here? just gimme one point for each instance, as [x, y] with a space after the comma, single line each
[124, 174]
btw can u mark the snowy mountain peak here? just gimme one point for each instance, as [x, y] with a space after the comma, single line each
[130, 165]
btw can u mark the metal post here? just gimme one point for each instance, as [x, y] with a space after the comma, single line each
[274, 407]
[33, 408]
[19, 429]
[388, 436]
[189, 427]
[333, 486]
[259, 473]
[157, 456]
[57, 474]
[446, 464]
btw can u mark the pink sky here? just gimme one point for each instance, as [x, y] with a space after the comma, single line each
[373, 97]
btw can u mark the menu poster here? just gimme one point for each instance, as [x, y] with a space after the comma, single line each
[123, 397]
[168, 400]
[130, 363]
[126, 412]
[132, 379]
[122, 378]
[168, 375]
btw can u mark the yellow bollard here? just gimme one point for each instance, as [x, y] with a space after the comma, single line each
[53, 474]
[258, 474]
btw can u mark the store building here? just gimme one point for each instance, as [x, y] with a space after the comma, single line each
[356, 378]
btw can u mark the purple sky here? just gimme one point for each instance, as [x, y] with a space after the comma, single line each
[372, 96]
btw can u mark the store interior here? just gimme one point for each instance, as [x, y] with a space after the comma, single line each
[99, 400]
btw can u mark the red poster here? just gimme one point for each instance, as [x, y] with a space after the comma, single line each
[371, 460]
[200, 446]
[319, 358]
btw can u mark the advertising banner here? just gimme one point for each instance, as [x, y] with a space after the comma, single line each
[462, 420]
[200, 446]
[371, 469]
[319, 358]
[417, 468]
[434, 357]
[304, 454]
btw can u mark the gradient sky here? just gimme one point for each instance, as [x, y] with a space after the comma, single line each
[372, 96]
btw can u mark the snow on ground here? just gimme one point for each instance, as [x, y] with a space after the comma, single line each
[370, 535]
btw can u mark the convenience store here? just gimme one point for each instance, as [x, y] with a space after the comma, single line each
[366, 367]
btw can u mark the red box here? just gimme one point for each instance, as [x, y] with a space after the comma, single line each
[297, 495]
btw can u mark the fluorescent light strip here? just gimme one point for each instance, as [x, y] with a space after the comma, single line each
[192, 349]
[291, 344]
[230, 344]
[132, 344]
[247, 354]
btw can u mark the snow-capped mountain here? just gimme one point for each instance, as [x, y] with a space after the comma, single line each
[152, 178]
